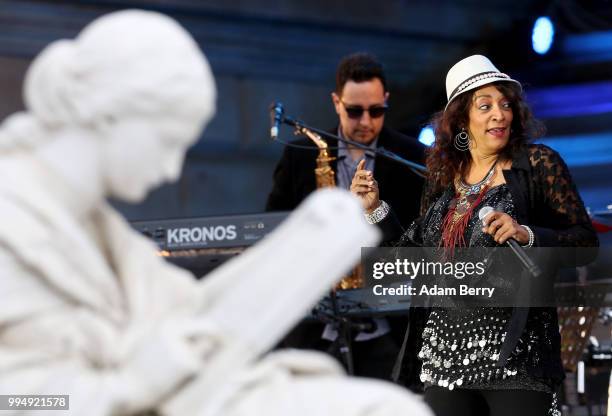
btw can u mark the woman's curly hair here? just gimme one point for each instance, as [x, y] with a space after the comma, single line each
[445, 162]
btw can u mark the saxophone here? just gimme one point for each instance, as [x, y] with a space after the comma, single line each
[325, 177]
[324, 173]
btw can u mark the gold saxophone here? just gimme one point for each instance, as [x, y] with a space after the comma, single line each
[324, 173]
[325, 177]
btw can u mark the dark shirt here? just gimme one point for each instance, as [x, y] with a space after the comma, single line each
[464, 343]
[545, 198]
[294, 177]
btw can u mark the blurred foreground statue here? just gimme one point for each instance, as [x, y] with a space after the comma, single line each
[88, 309]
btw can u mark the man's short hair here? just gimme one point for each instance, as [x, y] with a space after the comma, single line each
[359, 67]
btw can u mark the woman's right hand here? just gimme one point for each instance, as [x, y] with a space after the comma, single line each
[365, 187]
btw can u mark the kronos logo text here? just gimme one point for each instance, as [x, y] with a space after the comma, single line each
[201, 234]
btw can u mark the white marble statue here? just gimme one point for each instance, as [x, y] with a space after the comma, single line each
[86, 306]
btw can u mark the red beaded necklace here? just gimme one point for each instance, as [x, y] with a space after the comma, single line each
[467, 197]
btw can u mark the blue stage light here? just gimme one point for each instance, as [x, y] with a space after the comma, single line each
[588, 47]
[563, 101]
[542, 35]
[426, 136]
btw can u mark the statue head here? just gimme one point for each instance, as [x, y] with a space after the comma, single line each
[135, 81]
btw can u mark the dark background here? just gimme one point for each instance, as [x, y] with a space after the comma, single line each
[267, 50]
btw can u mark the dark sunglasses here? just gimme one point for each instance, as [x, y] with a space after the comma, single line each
[355, 112]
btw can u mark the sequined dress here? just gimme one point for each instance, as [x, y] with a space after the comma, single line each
[461, 346]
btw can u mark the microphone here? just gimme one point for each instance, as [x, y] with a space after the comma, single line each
[533, 268]
[276, 118]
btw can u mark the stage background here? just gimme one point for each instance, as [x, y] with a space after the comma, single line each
[267, 50]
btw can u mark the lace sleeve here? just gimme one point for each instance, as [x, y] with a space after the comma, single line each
[567, 222]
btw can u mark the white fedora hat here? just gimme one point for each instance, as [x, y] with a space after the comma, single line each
[470, 73]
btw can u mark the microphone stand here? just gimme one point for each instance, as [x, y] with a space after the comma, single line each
[343, 342]
[328, 311]
[303, 128]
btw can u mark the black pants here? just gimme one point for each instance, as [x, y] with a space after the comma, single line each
[472, 402]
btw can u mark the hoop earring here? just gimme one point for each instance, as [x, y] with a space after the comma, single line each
[462, 141]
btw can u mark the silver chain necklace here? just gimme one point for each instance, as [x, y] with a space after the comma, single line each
[476, 188]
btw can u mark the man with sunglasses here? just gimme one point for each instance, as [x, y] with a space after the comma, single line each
[360, 100]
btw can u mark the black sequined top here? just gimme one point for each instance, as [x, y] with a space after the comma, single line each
[461, 346]
[545, 198]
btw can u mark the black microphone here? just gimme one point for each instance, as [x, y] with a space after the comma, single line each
[515, 246]
[276, 118]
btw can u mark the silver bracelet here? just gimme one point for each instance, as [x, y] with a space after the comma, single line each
[531, 237]
[378, 214]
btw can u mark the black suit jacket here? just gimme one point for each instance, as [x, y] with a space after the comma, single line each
[294, 177]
